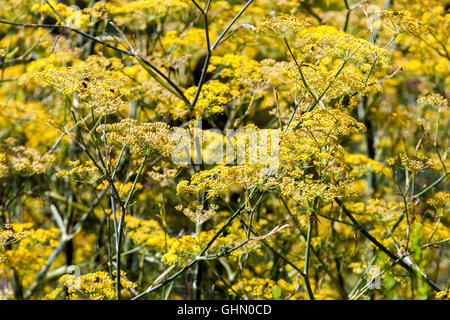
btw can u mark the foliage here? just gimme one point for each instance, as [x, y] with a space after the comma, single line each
[96, 98]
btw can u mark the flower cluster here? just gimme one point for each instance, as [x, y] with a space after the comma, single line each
[327, 41]
[283, 25]
[264, 289]
[94, 286]
[414, 164]
[438, 102]
[23, 161]
[148, 233]
[222, 179]
[26, 249]
[179, 149]
[213, 97]
[143, 139]
[98, 89]
[402, 21]
[197, 213]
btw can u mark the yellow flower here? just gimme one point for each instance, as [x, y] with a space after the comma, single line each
[282, 25]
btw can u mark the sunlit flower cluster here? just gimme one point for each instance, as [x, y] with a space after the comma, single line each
[93, 286]
[179, 149]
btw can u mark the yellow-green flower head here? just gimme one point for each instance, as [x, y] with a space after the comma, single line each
[282, 25]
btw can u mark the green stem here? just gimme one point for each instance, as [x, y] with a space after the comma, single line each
[307, 258]
[205, 248]
[391, 255]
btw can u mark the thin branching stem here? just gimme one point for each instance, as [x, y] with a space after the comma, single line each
[380, 246]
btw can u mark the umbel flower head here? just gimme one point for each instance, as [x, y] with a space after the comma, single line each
[402, 21]
[282, 25]
[143, 138]
[411, 163]
[22, 161]
[438, 102]
[327, 41]
[328, 127]
[26, 249]
[94, 286]
[81, 171]
[197, 213]
[147, 233]
[9, 236]
[213, 97]
[221, 179]
[98, 88]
